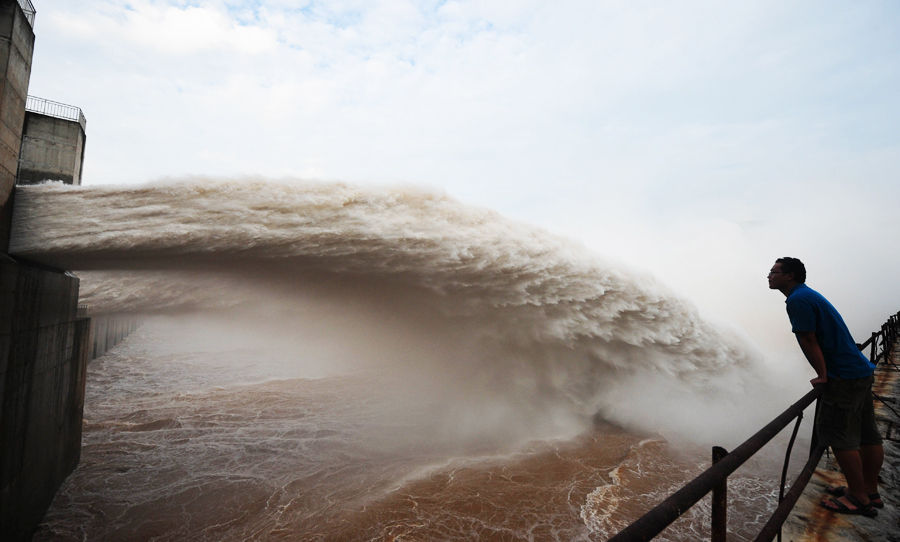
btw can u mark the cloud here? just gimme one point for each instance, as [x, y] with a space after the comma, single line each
[155, 27]
[656, 133]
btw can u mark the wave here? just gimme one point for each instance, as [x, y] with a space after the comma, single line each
[412, 278]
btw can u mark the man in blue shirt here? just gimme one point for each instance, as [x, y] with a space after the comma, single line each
[846, 419]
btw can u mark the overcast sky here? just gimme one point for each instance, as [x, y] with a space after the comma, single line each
[697, 140]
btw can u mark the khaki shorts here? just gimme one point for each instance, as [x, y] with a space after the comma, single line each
[846, 418]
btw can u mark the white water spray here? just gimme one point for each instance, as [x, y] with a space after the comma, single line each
[528, 333]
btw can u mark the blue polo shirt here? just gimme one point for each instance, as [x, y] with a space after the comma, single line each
[810, 311]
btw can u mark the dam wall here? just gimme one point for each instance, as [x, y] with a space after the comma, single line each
[44, 349]
[44, 344]
[108, 331]
[16, 50]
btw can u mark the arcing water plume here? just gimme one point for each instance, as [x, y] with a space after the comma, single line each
[526, 333]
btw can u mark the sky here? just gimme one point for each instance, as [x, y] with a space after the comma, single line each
[695, 140]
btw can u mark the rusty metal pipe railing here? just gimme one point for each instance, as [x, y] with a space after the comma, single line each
[715, 477]
[653, 522]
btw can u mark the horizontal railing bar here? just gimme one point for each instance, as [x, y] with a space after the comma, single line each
[868, 341]
[656, 520]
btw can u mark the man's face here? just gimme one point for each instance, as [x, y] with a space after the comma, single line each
[777, 278]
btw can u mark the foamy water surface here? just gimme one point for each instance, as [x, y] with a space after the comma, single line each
[187, 444]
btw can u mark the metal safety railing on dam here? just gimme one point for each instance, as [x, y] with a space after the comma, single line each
[715, 478]
[59, 110]
[28, 10]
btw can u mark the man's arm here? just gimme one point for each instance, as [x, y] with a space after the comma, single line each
[814, 356]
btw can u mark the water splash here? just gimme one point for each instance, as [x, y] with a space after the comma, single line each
[519, 324]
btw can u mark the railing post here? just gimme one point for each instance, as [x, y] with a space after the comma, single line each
[814, 438]
[872, 357]
[719, 501]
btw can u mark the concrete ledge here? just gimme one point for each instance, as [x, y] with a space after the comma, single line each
[44, 350]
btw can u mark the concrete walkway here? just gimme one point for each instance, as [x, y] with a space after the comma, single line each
[810, 522]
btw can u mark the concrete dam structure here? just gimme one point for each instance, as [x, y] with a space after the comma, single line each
[53, 141]
[45, 343]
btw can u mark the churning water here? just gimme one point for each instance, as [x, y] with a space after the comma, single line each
[323, 361]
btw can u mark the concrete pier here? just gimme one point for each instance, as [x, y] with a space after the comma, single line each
[53, 141]
[44, 351]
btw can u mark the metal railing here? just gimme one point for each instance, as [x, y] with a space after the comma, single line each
[28, 9]
[715, 478]
[56, 109]
[884, 339]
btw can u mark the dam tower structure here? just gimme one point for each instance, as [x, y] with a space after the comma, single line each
[43, 344]
[53, 141]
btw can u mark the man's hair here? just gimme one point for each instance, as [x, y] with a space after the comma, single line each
[793, 266]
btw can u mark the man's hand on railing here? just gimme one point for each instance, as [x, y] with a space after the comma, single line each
[819, 381]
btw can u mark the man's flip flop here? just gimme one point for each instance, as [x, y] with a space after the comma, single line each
[837, 506]
[839, 491]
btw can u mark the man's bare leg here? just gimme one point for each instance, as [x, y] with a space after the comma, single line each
[851, 465]
[872, 456]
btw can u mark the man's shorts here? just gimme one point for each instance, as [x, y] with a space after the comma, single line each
[846, 418]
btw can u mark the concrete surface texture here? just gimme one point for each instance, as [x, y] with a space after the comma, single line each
[52, 149]
[44, 351]
[16, 50]
[812, 523]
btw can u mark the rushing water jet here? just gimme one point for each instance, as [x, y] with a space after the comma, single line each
[480, 334]
[529, 310]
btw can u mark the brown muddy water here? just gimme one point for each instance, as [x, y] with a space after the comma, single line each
[183, 444]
